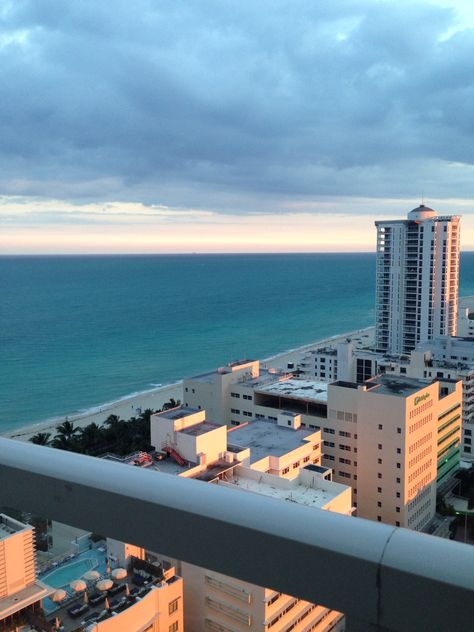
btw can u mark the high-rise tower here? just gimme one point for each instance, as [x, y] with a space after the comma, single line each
[417, 279]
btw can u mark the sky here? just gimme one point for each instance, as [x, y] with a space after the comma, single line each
[223, 126]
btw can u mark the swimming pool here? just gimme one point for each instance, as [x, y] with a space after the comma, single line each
[64, 575]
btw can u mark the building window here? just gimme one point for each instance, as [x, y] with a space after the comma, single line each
[398, 480]
[173, 606]
[399, 450]
[398, 465]
[379, 518]
[379, 475]
[380, 446]
[397, 524]
[174, 627]
[285, 470]
[398, 494]
[235, 411]
[397, 509]
[379, 489]
[399, 430]
[379, 504]
[379, 461]
[380, 427]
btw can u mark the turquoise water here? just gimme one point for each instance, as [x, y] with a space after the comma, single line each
[62, 577]
[76, 332]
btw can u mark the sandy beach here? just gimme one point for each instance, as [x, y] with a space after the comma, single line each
[155, 398]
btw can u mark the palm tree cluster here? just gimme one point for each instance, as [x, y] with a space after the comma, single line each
[114, 435]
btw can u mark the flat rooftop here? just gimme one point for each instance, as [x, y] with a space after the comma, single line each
[296, 493]
[387, 385]
[199, 429]
[265, 437]
[308, 390]
[209, 376]
[24, 598]
[179, 412]
[9, 526]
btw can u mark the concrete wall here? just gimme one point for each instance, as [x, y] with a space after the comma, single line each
[151, 613]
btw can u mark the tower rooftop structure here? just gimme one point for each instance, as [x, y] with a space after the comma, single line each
[421, 213]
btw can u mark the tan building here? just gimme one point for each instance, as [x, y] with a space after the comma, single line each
[444, 357]
[277, 458]
[160, 609]
[119, 554]
[390, 441]
[217, 602]
[20, 591]
[227, 394]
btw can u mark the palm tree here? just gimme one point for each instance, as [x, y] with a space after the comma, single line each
[41, 438]
[90, 437]
[65, 436]
[67, 429]
[112, 420]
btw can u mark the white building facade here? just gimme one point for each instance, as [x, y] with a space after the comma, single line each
[417, 280]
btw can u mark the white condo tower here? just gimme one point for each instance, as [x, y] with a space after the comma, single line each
[417, 280]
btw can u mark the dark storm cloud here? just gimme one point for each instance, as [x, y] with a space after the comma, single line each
[195, 103]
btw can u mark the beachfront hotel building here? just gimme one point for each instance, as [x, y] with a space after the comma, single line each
[327, 408]
[21, 593]
[444, 357]
[273, 458]
[416, 279]
[396, 441]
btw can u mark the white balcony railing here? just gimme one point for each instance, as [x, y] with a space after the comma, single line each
[381, 577]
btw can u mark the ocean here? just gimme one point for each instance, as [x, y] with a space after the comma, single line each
[76, 332]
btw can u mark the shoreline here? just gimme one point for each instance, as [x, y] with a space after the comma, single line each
[154, 398]
[130, 405]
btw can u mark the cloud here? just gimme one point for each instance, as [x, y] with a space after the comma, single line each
[234, 107]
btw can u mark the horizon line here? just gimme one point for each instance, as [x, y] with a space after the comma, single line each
[192, 254]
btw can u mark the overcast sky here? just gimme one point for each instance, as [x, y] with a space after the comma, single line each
[217, 125]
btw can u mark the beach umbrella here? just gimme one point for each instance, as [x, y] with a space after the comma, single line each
[104, 584]
[91, 576]
[78, 585]
[86, 597]
[119, 573]
[127, 590]
[106, 604]
[59, 595]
